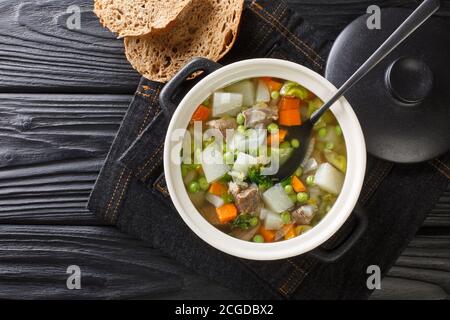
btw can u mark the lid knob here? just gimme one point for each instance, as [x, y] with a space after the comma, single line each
[409, 80]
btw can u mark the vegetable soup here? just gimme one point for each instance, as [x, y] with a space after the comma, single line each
[244, 133]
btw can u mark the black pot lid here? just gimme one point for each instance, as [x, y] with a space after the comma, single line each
[403, 103]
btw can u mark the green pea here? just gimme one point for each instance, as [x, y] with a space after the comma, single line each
[253, 222]
[293, 197]
[285, 145]
[310, 180]
[275, 95]
[240, 119]
[286, 217]
[203, 183]
[302, 197]
[338, 130]
[194, 187]
[299, 172]
[241, 129]
[322, 132]
[289, 189]
[272, 127]
[295, 143]
[258, 238]
[329, 146]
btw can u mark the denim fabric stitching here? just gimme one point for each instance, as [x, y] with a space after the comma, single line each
[144, 94]
[265, 30]
[297, 276]
[156, 93]
[157, 185]
[443, 164]
[289, 285]
[439, 169]
[287, 37]
[296, 38]
[378, 173]
[113, 195]
[154, 155]
[119, 200]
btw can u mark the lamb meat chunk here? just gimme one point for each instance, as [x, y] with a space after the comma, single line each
[304, 214]
[259, 117]
[223, 124]
[249, 200]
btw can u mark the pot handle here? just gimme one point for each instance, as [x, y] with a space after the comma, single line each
[166, 97]
[333, 255]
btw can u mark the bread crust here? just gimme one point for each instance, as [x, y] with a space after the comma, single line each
[207, 28]
[139, 17]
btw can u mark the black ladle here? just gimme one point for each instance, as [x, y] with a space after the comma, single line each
[304, 132]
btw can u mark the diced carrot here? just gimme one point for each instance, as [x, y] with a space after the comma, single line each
[290, 232]
[272, 84]
[217, 188]
[268, 235]
[226, 213]
[281, 136]
[287, 103]
[290, 117]
[201, 114]
[297, 184]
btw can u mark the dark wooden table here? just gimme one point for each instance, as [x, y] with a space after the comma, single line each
[63, 94]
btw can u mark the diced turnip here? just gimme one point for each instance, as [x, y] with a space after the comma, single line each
[263, 213]
[337, 160]
[213, 163]
[276, 199]
[329, 179]
[226, 103]
[237, 176]
[273, 221]
[216, 201]
[243, 162]
[262, 92]
[247, 89]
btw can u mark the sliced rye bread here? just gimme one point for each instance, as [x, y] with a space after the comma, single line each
[207, 28]
[138, 17]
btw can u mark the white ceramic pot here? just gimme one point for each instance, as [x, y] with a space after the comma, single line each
[356, 160]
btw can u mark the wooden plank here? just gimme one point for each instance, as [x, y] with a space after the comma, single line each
[439, 217]
[40, 53]
[426, 260]
[115, 265]
[404, 289]
[53, 147]
[34, 260]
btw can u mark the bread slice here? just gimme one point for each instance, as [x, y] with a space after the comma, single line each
[207, 28]
[138, 17]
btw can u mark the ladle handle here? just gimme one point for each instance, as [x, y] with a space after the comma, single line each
[415, 20]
